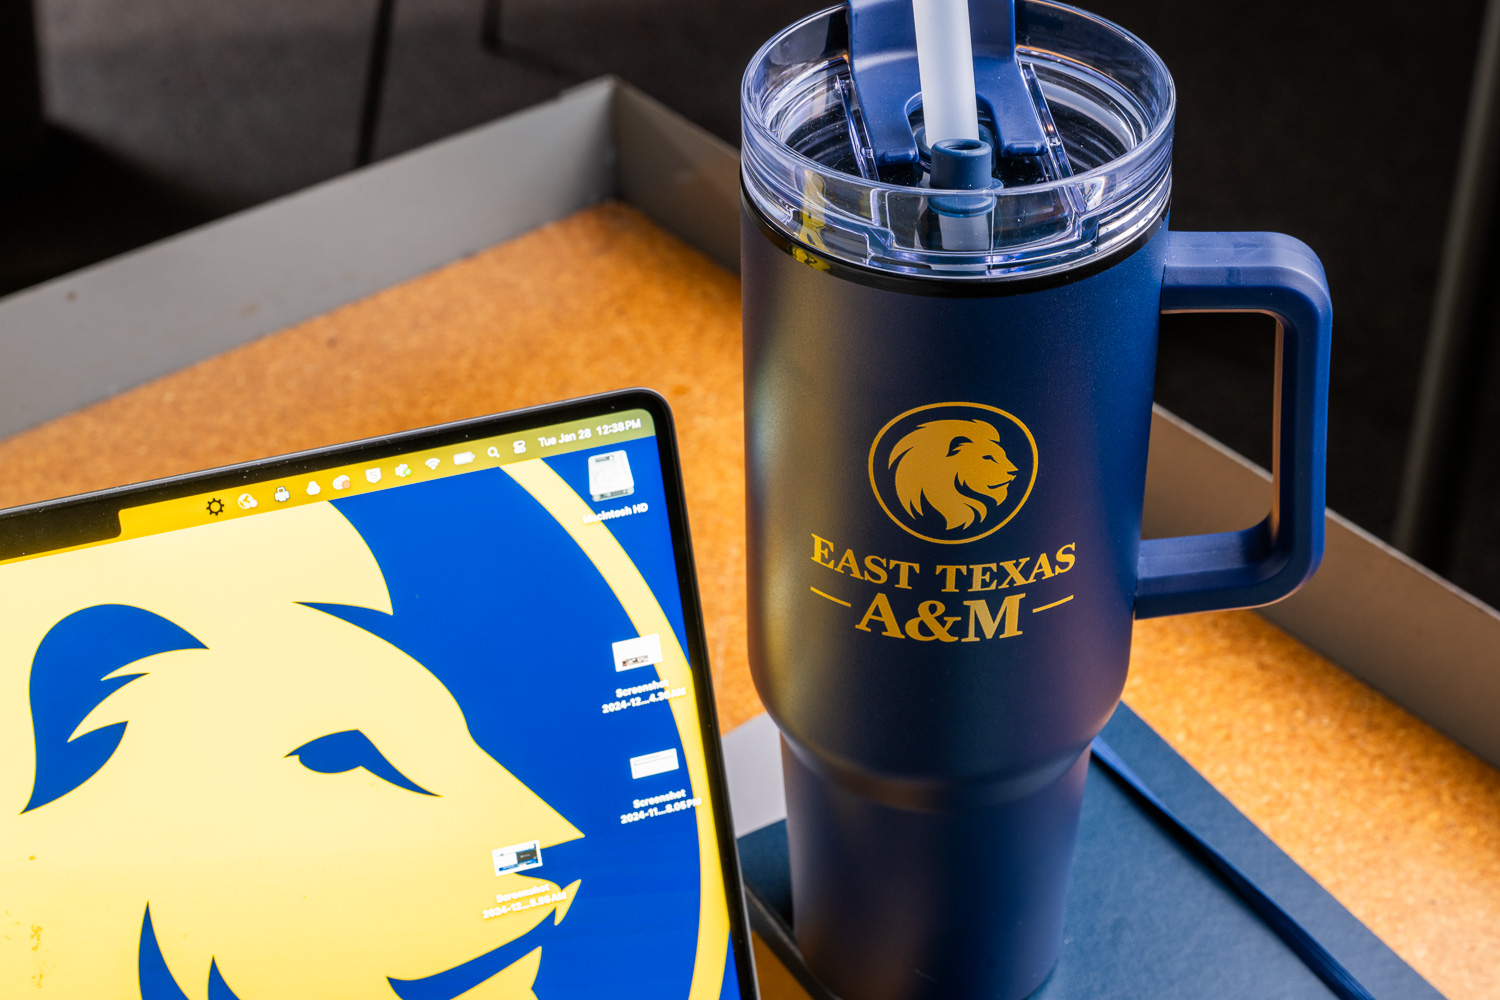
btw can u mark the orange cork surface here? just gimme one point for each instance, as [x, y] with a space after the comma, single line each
[1398, 822]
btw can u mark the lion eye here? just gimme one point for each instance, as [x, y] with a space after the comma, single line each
[345, 751]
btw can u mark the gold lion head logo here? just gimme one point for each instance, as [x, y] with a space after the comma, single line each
[940, 457]
[957, 472]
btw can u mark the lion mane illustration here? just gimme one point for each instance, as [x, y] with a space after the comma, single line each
[213, 790]
[949, 465]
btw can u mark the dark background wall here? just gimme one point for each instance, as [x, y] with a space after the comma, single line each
[1334, 121]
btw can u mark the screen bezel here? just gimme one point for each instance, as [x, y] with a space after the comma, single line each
[37, 529]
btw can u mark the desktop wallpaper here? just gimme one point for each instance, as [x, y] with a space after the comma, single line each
[432, 741]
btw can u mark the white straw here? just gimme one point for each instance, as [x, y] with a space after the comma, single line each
[945, 65]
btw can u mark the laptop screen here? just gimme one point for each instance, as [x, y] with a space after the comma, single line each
[422, 717]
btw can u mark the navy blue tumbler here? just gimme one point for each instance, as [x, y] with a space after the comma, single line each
[948, 382]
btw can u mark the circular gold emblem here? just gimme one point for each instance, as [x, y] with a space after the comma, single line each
[953, 472]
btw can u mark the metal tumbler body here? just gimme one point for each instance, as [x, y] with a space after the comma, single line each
[948, 408]
[938, 694]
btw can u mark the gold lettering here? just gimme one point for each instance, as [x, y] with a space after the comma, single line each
[822, 552]
[1013, 572]
[1043, 568]
[927, 614]
[875, 565]
[952, 572]
[1065, 558]
[981, 576]
[979, 614]
[853, 564]
[880, 610]
[902, 584]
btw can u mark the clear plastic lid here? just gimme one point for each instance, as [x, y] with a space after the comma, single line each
[1103, 178]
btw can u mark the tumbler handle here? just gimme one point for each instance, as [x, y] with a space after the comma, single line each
[1281, 277]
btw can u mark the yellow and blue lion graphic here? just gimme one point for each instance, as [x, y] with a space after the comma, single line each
[252, 720]
[252, 760]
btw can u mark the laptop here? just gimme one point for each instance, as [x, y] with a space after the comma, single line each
[424, 716]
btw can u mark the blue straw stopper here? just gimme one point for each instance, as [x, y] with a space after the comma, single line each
[962, 165]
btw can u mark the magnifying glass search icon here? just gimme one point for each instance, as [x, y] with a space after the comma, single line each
[494, 452]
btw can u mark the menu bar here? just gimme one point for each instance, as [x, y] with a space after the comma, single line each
[283, 490]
